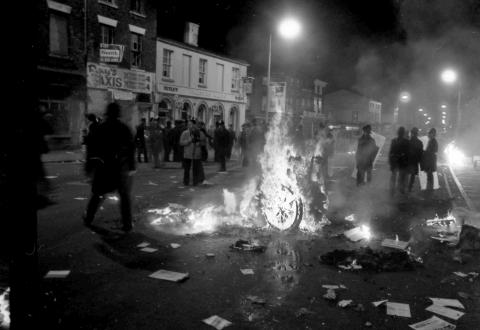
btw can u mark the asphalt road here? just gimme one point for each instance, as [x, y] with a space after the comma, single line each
[109, 286]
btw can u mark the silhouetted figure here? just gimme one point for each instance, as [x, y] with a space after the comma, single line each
[209, 139]
[429, 159]
[167, 141]
[113, 156]
[43, 185]
[231, 141]
[140, 141]
[398, 160]
[191, 140]
[156, 143]
[243, 141]
[365, 155]
[177, 133]
[221, 141]
[94, 122]
[415, 152]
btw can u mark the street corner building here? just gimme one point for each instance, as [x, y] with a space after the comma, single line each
[91, 53]
[195, 83]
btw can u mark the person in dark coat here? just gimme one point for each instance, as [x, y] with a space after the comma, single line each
[243, 141]
[177, 148]
[156, 142]
[365, 155]
[429, 158]
[221, 141]
[113, 153]
[167, 141]
[415, 151]
[140, 141]
[398, 160]
[191, 140]
[231, 141]
[208, 140]
[92, 128]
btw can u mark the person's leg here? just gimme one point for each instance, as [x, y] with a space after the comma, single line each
[197, 175]
[360, 176]
[223, 166]
[145, 153]
[369, 175]
[393, 181]
[402, 180]
[92, 207]
[429, 181]
[186, 171]
[411, 181]
[125, 201]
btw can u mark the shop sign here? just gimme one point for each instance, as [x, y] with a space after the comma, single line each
[111, 53]
[104, 76]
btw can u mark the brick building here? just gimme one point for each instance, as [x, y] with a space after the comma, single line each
[91, 53]
[300, 100]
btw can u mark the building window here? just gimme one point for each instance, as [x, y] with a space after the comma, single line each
[136, 50]
[58, 34]
[136, 6]
[235, 78]
[202, 72]
[107, 34]
[167, 63]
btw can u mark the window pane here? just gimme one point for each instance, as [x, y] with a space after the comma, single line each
[58, 35]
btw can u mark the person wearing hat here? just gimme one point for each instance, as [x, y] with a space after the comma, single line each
[221, 141]
[398, 160]
[365, 155]
[429, 158]
[415, 151]
[113, 153]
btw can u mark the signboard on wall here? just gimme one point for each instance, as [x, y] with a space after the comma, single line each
[104, 76]
[111, 53]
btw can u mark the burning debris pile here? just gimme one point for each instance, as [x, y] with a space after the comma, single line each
[288, 194]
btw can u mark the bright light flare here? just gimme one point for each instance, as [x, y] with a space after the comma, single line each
[289, 28]
[5, 309]
[367, 234]
[421, 110]
[443, 106]
[449, 76]
[405, 97]
[455, 157]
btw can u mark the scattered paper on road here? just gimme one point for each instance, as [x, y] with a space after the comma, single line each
[51, 177]
[447, 302]
[460, 274]
[344, 303]
[168, 275]
[398, 309]
[148, 249]
[330, 286]
[113, 198]
[378, 303]
[350, 217]
[256, 300]
[57, 274]
[433, 323]
[175, 245]
[247, 271]
[143, 244]
[150, 183]
[217, 322]
[210, 255]
[80, 198]
[445, 311]
[395, 244]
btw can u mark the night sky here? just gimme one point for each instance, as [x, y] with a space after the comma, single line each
[378, 47]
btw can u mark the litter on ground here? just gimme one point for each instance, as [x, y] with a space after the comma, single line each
[398, 309]
[433, 323]
[57, 274]
[217, 322]
[445, 311]
[168, 275]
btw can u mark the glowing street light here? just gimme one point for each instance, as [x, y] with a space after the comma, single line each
[425, 114]
[429, 118]
[420, 109]
[443, 106]
[449, 76]
[405, 97]
[289, 28]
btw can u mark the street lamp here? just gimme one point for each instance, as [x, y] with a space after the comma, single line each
[404, 97]
[420, 109]
[450, 77]
[289, 28]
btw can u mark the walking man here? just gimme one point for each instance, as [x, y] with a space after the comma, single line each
[114, 155]
[415, 151]
[191, 140]
[156, 142]
[140, 141]
[365, 155]
[398, 160]
[429, 159]
[167, 141]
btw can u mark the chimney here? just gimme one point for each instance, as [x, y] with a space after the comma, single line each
[191, 34]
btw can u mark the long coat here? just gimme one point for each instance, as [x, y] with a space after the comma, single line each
[366, 152]
[415, 152]
[112, 153]
[221, 141]
[429, 159]
[398, 155]
[192, 146]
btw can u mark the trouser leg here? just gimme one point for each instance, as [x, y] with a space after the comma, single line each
[411, 181]
[125, 200]
[402, 180]
[197, 171]
[369, 175]
[360, 176]
[221, 158]
[186, 171]
[430, 181]
[393, 181]
[92, 207]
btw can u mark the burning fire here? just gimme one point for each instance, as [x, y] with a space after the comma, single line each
[5, 309]
[289, 193]
[455, 157]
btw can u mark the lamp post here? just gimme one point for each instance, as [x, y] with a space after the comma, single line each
[450, 77]
[289, 28]
[404, 97]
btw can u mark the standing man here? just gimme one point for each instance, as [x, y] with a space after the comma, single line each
[208, 139]
[365, 155]
[167, 141]
[429, 159]
[177, 133]
[243, 140]
[398, 160]
[221, 141]
[113, 149]
[156, 142]
[191, 140]
[231, 141]
[415, 151]
[140, 141]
